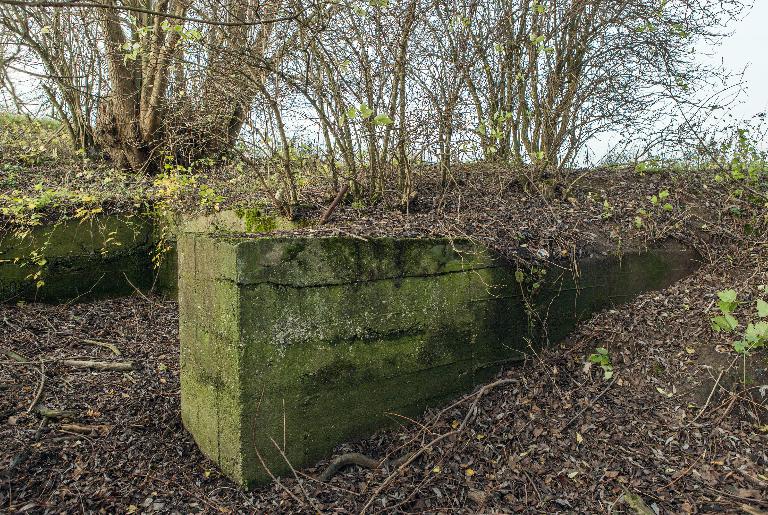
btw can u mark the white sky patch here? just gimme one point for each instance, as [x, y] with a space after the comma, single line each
[747, 48]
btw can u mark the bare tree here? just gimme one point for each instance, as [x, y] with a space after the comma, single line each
[385, 85]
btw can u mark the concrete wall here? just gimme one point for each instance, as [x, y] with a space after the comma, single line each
[92, 259]
[306, 343]
[83, 260]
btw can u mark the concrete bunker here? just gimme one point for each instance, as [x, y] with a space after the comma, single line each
[294, 345]
[107, 255]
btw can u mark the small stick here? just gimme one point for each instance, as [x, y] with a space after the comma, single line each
[15, 356]
[109, 346]
[276, 480]
[116, 366]
[54, 413]
[139, 291]
[339, 196]
[684, 473]
[709, 399]
[85, 430]
[295, 475]
[40, 387]
[405, 462]
[636, 504]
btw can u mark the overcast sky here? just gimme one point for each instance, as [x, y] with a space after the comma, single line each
[748, 47]
[745, 50]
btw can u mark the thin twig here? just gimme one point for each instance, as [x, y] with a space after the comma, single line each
[140, 292]
[709, 399]
[477, 395]
[113, 366]
[295, 475]
[40, 387]
[106, 345]
[275, 479]
[683, 474]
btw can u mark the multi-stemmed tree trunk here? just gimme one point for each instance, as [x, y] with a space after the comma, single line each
[140, 62]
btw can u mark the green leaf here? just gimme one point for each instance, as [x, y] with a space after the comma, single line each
[762, 308]
[740, 346]
[727, 295]
[382, 119]
[725, 323]
[365, 111]
[762, 331]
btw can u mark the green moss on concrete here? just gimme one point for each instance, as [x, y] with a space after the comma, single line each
[83, 260]
[327, 339]
[244, 220]
[257, 221]
[326, 261]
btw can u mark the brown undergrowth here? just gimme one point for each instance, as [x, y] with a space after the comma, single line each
[680, 427]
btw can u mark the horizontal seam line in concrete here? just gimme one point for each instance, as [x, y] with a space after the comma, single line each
[348, 283]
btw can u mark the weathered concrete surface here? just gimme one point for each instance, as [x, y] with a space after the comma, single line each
[91, 259]
[83, 260]
[307, 343]
[251, 220]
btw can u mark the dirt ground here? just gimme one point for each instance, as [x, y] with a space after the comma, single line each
[679, 428]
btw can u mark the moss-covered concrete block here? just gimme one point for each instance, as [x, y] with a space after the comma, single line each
[291, 346]
[97, 257]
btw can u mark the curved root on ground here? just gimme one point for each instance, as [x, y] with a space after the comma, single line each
[356, 458]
